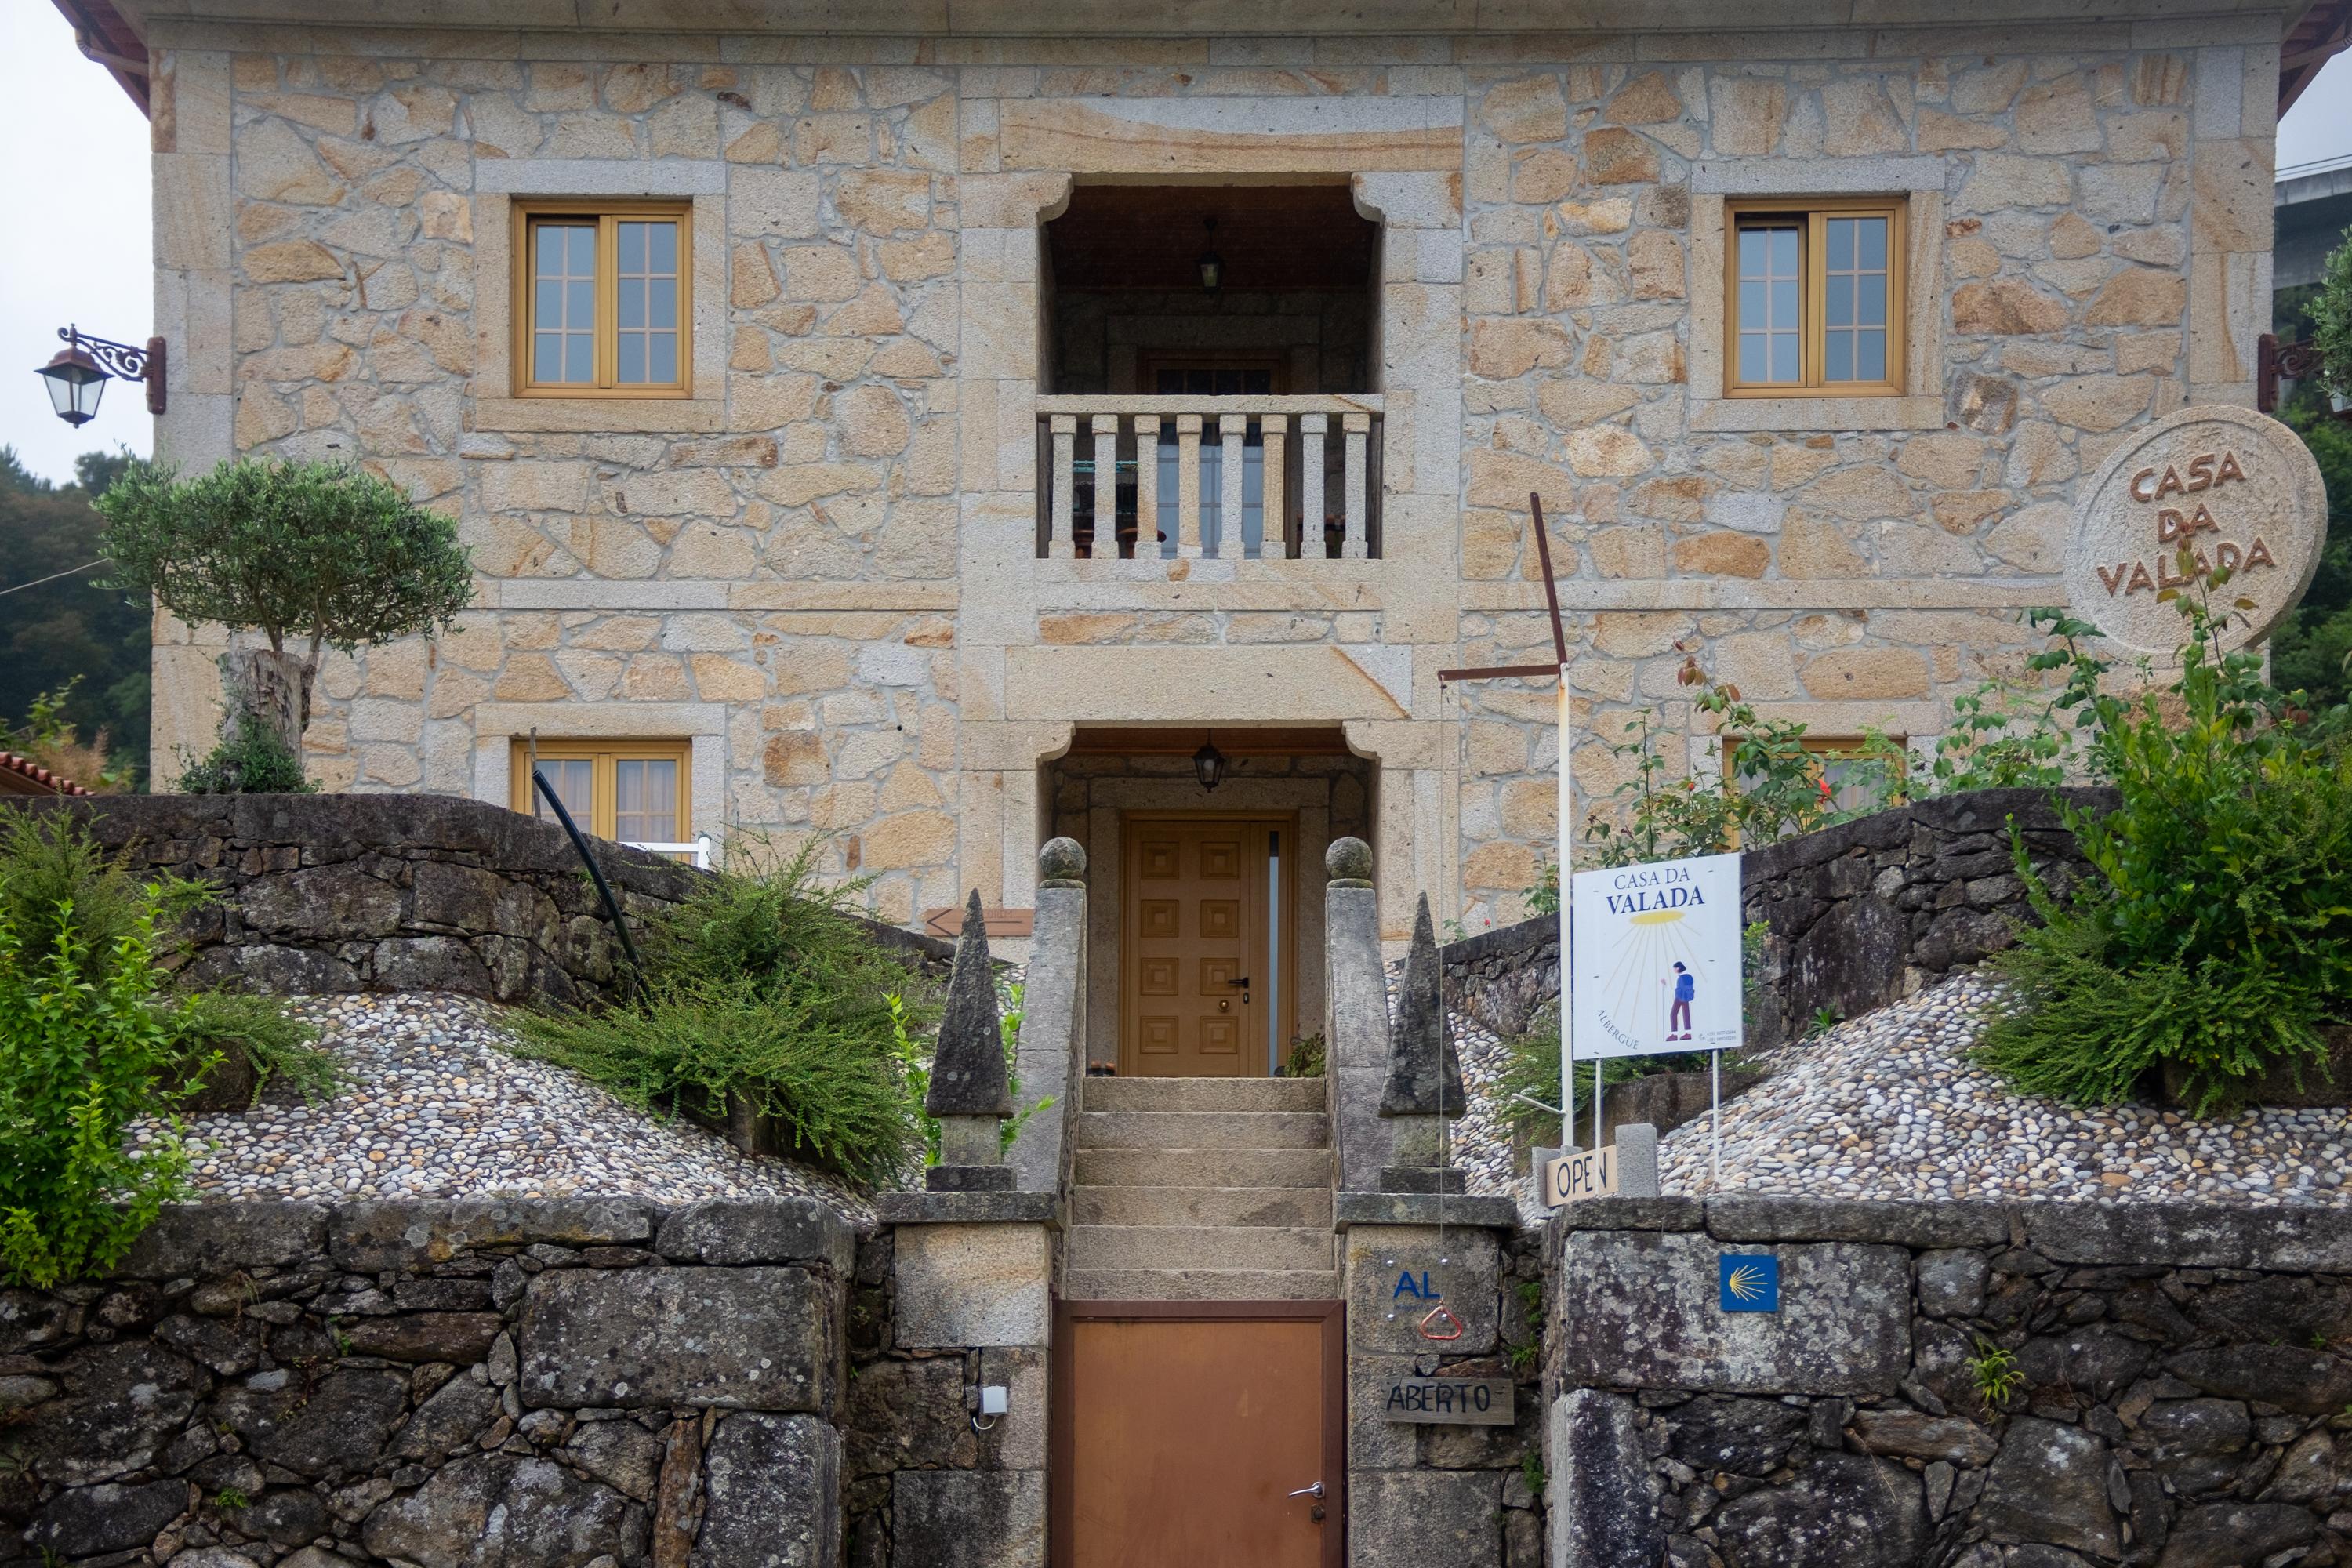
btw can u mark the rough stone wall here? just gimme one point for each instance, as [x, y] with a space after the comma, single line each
[2089, 249]
[821, 567]
[2182, 1382]
[379, 892]
[1857, 915]
[1471, 1496]
[910, 1437]
[437, 1383]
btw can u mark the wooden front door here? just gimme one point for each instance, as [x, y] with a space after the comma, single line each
[1204, 968]
[1182, 1427]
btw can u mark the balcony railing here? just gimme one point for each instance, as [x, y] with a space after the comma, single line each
[1253, 477]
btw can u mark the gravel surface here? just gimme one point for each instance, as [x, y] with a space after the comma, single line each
[431, 1106]
[1886, 1105]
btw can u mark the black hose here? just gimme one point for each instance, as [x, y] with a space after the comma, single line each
[595, 873]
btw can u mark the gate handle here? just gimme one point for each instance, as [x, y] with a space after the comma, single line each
[1314, 1491]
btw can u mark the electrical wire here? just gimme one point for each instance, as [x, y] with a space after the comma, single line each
[52, 577]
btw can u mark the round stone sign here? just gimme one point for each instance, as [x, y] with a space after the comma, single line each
[2236, 488]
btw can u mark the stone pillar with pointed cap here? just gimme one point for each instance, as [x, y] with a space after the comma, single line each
[1425, 1083]
[969, 1093]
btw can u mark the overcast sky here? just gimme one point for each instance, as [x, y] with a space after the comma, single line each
[77, 180]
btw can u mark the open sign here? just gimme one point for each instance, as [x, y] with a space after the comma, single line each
[1589, 1175]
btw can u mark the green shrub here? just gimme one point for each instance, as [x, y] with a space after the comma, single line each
[788, 1048]
[250, 758]
[761, 986]
[85, 1050]
[2214, 932]
[55, 881]
[1308, 1057]
[1771, 785]
[278, 1046]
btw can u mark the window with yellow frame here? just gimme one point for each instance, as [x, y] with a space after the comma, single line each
[1853, 772]
[603, 299]
[1813, 297]
[632, 792]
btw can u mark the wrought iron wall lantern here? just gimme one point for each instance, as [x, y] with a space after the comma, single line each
[1212, 265]
[79, 373]
[1209, 763]
[2275, 362]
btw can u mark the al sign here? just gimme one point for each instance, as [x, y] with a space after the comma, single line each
[1656, 958]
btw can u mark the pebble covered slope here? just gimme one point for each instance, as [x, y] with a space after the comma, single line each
[1887, 1106]
[431, 1107]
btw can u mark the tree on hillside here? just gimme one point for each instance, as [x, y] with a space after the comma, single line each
[311, 555]
[68, 636]
[2309, 650]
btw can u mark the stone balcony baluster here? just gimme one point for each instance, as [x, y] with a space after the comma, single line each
[1209, 477]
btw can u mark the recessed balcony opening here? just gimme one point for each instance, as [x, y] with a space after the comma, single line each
[1213, 349]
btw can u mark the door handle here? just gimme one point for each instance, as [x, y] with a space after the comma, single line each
[1242, 982]
[1314, 1491]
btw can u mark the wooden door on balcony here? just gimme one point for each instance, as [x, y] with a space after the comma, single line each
[1206, 959]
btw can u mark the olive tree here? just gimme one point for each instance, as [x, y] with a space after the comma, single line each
[309, 555]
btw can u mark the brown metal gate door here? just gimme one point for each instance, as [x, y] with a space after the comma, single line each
[1182, 1427]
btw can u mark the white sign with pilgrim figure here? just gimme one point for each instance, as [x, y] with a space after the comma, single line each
[1656, 967]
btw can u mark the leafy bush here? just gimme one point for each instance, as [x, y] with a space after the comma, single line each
[52, 740]
[761, 987]
[54, 880]
[1307, 1056]
[216, 1026]
[2214, 933]
[785, 1047]
[1771, 785]
[88, 1051]
[250, 758]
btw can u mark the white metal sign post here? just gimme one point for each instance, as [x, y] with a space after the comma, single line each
[1658, 969]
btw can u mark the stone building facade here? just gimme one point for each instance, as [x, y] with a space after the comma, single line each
[825, 570]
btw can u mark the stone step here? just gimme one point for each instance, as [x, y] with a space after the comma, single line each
[1307, 1168]
[1201, 1285]
[1203, 1129]
[1205, 1094]
[1165, 1248]
[1201, 1206]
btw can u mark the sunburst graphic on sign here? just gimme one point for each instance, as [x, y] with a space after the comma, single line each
[1746, 1282]
[1647, 947]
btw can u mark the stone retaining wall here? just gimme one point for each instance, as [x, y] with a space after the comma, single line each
[2180, 1398]
[554, 1382]
[1860, 915]
[397, 893]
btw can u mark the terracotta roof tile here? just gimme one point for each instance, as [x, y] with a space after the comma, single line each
[22, 775]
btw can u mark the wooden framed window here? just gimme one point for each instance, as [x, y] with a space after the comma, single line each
[1813, 297]
[632, 792]
[1193, 374]
[603, 299]
[1850, 771]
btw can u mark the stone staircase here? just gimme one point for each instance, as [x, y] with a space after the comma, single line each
[1201, 1189]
